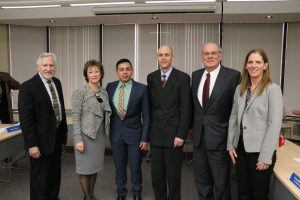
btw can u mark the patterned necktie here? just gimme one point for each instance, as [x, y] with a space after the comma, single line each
[205, 95]
[163, 80]
[55, 102]
[121, 102]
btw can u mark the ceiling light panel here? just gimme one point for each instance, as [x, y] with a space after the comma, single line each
[180, 1]
[104, 3]
[37, 6]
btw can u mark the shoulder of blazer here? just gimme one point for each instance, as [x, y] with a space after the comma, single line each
[111, 84]
[198, 71]
[56, 80]
[196, 75]
[230, 70]
[153, 73]
[273, 86]
[180, 73]
[138, 84]
[33, 81]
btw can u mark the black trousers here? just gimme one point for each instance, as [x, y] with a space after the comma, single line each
[212, 172]
[166, 165]
[252, 184]
[45, 175]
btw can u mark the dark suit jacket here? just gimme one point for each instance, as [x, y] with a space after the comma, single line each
[135, 125]
[7, 83]
[170, 107]
[37, 116]
[213, 121]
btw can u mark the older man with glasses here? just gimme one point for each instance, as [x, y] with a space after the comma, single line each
[213, 88]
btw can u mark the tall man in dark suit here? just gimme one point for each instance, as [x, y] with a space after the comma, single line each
[44, 127]
[213, 88]
[170, 100]
[7, 83]
[129, 127]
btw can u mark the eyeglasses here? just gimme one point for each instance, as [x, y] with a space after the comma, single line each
[213, 53]
[99, 99]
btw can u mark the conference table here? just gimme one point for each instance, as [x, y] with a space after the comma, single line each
[10, 144]
[286, 164]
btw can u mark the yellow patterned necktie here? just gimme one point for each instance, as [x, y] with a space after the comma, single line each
[55, 102]
[121, 102]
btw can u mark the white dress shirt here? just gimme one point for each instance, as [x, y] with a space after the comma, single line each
[49, 92]
[213, 78]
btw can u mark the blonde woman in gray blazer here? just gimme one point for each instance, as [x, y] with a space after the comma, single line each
[91, 121]
[254, 127]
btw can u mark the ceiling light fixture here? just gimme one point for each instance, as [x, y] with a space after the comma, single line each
[103, 4]
[269, 17]
[52, 21]
[255, 0]
[181, 1]
[38, 6]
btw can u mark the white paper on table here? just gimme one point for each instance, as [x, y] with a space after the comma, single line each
[297, 159]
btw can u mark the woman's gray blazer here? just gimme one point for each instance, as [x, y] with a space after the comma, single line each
[261, 119]
[86, 112]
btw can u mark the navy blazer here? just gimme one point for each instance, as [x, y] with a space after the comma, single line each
[135, 126]
[37, 117]
[212, 122]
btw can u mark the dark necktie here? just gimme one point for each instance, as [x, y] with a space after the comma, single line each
[205, 95]
[163, 80]
[121, 102]
[55, 102]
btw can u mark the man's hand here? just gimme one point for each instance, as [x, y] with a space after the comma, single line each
[34, 152]
[178, 142]
[143, 145]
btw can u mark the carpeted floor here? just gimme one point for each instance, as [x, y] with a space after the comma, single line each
[18, 189]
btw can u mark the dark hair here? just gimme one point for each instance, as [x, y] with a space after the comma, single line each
[123, 60]
[93, 63]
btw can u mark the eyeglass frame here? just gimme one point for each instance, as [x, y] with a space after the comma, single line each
[213, 53]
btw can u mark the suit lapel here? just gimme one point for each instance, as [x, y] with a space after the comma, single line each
[218, 87]
[251, 100]
[196, 84]
[43, 89]
[111, 97]
[131, 96]
[164, 91]
[241, 104]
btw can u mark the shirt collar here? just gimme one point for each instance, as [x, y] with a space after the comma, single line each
[43, 79]
[127, 84]
[167, 73]
[214, 72]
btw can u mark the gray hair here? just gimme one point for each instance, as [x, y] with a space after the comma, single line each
[219, 47]
[45, 55]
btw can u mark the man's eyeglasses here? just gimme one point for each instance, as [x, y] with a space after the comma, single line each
[213, 53]
[99, 99]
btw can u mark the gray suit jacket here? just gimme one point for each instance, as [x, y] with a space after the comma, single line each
[261, 121]
[86, 112]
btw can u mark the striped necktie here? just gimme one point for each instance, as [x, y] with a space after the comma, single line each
[121, 102]
[163, 80]
[55, 103]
